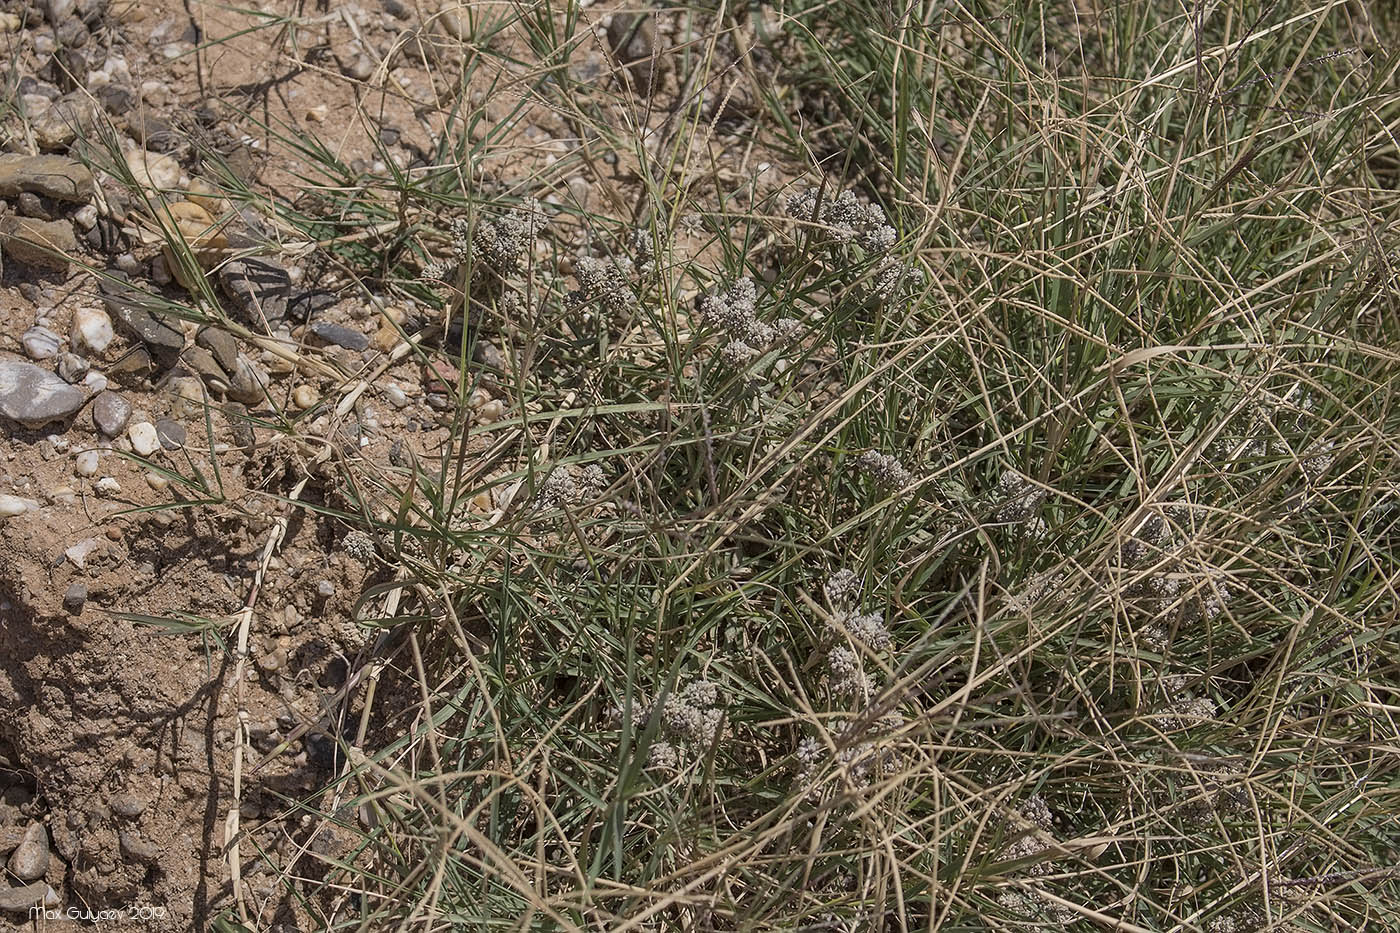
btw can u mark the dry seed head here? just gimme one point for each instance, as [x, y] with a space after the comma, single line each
[842, 587]
[606, 282]
[868, 629]
[885, 469]
[1020, 498]
[359, 546]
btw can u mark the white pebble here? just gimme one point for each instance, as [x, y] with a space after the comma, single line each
[325, 588]
[303, 397]
[396, 396]
[79, 552]
[95, 381]
[92, 329]
[86, 464]
[156, 481]
[86, 216]
[11, 506]
[144, 439]
[40, 342]
[107, 486]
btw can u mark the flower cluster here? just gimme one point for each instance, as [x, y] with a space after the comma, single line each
[846, 672]
[842, 587]
[606, 282]
[1019, 498]
[567, 487]
[359, 546]
[859, 755]
[846, 219]
[502, 243]
[1185, 709]
[733, 312]
[885, 469]
[506, 241]
[1034, 820]
[691, 718]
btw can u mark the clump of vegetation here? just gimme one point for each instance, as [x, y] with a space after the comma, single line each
[999, 518]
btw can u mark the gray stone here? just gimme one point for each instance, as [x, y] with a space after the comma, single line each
[249, 383]
[74, 597]
[128, 805]
[359, 68]
[110, 413]
[258, 287]
[202, 363]
[29, 204]
[71, 33]
[134, 311]
[172, 434]
[30, 859]
[239, 427]
[221, 344]
[50, 176]
[56, 11]
[34, 396]
[340, 336]
[46, 244]
[115, 98]
[40, 343]
[155, 133]
[304, 304]
[21, 899]
[72, 368]
[138, 848]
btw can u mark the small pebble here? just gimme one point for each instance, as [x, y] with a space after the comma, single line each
[107, 486]
[95, 381]
[325, 589]
[40, 343]
[304, 396]
[92, 329]
[85, 216]
[74, 597]
[128, 805]
[396, 396]
[110, 413]
[156, 481]
[144, 439]
[72, 368]
[86, 464]
[31, 859]
[10, 506]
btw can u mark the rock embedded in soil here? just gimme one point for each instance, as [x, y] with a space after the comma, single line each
[34, 396]
[75, 597]
[153, 169]
[10, 506]
[128, 805]
[221, 344]
[44, 244]
[48, 176]
[72, 368]
[31, 859]
[144, 439]
[172, 434]
[40, 343]
[17, 900]
[340, 336]
[258, 287]
[137, 847]
[110, 413]
[134, 313]
[92, 329]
